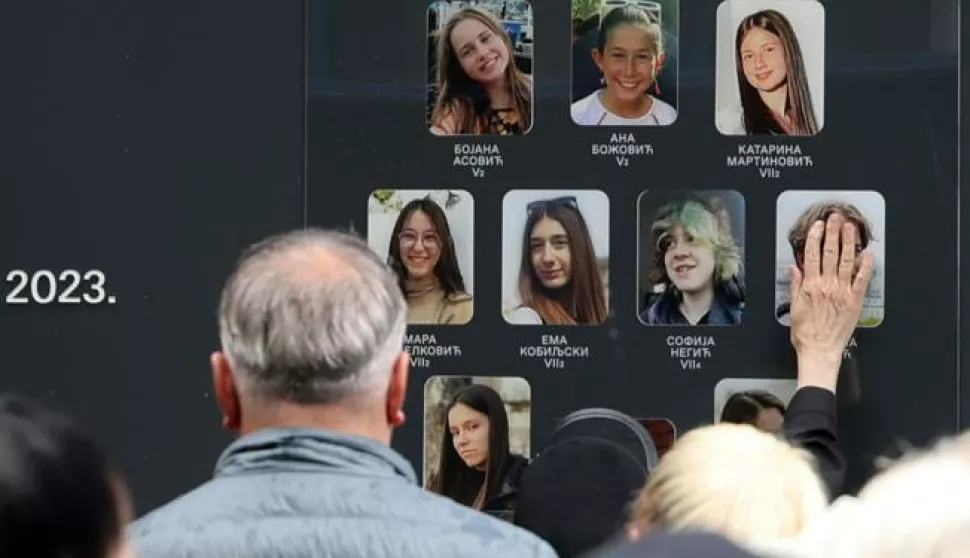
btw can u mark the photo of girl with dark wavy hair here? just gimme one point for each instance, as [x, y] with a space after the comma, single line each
[426, 237]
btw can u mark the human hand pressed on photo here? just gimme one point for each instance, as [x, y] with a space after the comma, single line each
[827, 297]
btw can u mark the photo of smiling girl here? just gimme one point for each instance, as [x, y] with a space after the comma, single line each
[770, 67]
[691, 258]
[481, 81]
[426, 238]
[630, 55]
[555, 261]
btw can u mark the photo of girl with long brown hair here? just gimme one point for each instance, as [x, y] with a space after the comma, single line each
[770, 67]
[481, 81]
[555, 257]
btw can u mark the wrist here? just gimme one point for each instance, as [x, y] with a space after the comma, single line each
[819, 371]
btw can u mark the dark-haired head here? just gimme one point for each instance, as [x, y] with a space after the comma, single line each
[59, 496]
[757, 408]
[422, 247]
[768, 58]
[629, 53]
[474, 447]
[634, 16]
[559, 278]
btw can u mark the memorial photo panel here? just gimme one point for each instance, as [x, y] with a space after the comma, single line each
[474, 425]
[427, 239]
[770, 68]
[797, 210]
[691, 258]
[762, 403]
[480, 68]
[624, 62]
[555, 257]
[774, 107]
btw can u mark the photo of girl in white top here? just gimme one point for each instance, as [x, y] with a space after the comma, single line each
[629, 55]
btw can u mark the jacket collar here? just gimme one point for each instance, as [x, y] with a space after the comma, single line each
[273, 450]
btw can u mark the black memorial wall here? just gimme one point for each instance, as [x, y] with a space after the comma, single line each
[152, 143]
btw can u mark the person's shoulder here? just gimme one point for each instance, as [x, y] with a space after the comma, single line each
[729, 122]
[446, 123]
[523, 315]
[579, 109]
[462, 307]
[190, 503]
[478, 534]
[664, 111]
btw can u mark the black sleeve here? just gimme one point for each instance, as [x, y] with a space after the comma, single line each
[811, 424]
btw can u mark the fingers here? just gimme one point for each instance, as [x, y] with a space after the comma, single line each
[847, 259]
[830, 251]
[813, 251]
[861, 282]
[796, 282]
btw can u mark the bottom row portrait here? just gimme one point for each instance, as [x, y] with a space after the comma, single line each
[556, 253]
[478, 434]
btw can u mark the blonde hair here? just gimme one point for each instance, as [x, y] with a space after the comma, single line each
[735, 480]
[705, 220]
[915, 509]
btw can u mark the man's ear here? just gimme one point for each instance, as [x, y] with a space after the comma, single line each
[396, 389]
[227, 396]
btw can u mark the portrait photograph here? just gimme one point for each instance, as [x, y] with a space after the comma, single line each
[691, 258]
[477, 436]
[770, 68]
[480, 67]
[761, 403]
[555, 257]
[427, 238]
[624, 67]
[797, 210]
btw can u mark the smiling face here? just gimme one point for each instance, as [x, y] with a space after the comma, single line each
[482, 53]
[420, 246]
[629, 62]
[763, 60]
[551, 258]
[469, 434]
[689, 261]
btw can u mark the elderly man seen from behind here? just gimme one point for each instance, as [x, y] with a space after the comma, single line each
[312, 378]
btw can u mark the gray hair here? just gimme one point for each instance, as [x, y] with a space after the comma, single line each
[311, 317]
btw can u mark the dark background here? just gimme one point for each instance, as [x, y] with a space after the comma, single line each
[155, 141]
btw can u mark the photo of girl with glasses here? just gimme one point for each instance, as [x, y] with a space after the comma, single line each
[691, 258]
[482, 83]
[769, 85]
[555, 263]
[477, 440]
[413, 230]
[629, 55]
